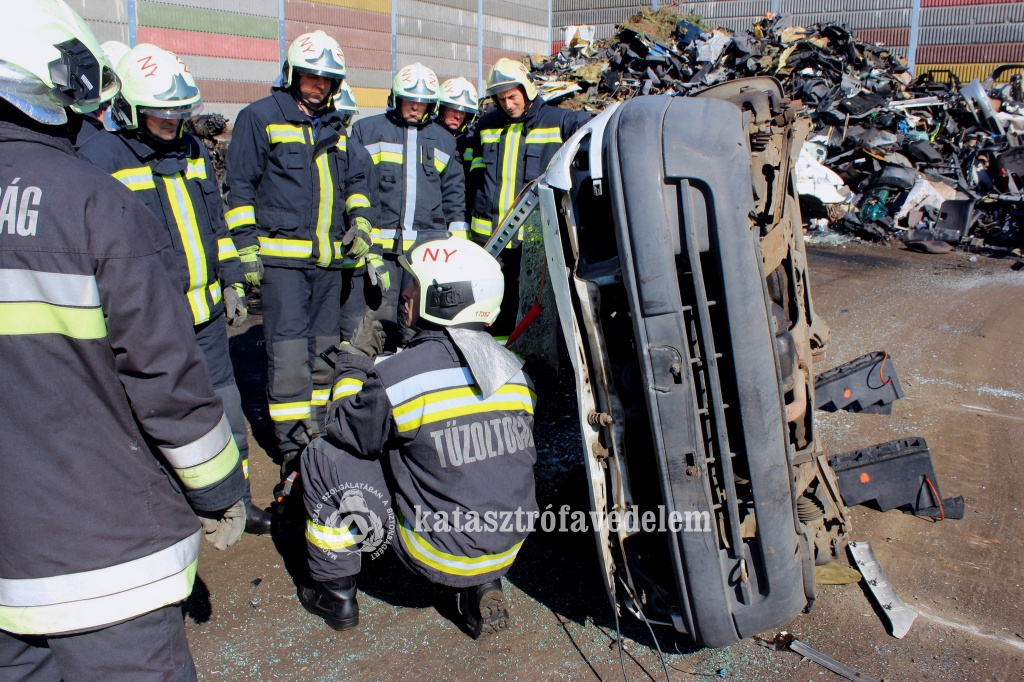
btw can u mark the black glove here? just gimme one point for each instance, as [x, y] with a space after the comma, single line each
[368, 337]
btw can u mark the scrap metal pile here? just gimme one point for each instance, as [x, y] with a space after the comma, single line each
[933, 163]
[206, 128]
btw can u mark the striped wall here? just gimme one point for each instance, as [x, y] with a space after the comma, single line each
[234, 47]
[968, 37]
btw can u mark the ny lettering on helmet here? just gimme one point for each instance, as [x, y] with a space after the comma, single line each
[459, 282]
[155, 83]
[315, 54]
[415, 83]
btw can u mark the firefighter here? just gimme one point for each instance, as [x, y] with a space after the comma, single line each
[420, 182]
[111, 427]
[99, 120]
[171, 172]
[513, 145]
[457, 112]
[442, 430]
[358, 290]
[292, 174]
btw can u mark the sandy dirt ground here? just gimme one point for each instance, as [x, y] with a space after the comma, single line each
[953, 328]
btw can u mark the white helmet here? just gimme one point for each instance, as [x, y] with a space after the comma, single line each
[317, 54]
[459, 93]
[115, 51]
[49, 59]
[154, 82]
[459, 282]
[415, 83]
[345, 103]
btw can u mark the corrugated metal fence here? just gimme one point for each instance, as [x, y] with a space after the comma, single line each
[235, 47]
[967, 37]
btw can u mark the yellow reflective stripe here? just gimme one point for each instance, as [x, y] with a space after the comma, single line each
[83, 614]
[441, 160]
[478, 162]
[460, 402]
[467, 155]
[356, 201]
[460, 233]
[544, 136]
[321, 396]
[242, 215]
[329, 538]
[509, 168]
[285, 412]
[192, 244]
[280, 133]
[490, 135]
[31, 317]
[389, 157]
[226, 249]
[245, 467]
[211, 471]
[346, 387]
[439, 165]
[286, 248]
[323, 219]
[481, 226]
[136, 178]
[423, 552]
[343, 144]
[215, 292]
[196, 169]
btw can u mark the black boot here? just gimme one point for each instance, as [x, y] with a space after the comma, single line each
[485, 608]
[334, 601]
[257, 521]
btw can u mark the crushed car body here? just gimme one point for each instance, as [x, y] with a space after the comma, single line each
[671, 233]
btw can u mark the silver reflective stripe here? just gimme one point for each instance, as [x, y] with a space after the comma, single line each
[412, 171]
[102, 582]
[78, 291]
[378, 147]
[391, 234]
[458, 226]
[445, 158]
[436, 380]
[202, 449]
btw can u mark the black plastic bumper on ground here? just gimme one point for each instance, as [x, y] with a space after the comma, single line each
[678, 170]
[868, 384]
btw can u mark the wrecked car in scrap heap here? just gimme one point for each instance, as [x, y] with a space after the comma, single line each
[681, 216]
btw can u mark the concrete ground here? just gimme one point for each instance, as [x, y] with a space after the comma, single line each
[953, 329]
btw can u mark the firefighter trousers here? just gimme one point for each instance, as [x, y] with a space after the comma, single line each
[511, 261]
[301, 319]
[149, 648]
[357, 296]
[212, 337]
[390, 313]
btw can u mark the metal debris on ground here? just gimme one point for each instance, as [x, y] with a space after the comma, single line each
[900, 616]
[895, 475]
[826, 662]
[927, 161]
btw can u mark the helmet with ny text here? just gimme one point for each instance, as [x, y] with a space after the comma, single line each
[157, 83]
[459, 282]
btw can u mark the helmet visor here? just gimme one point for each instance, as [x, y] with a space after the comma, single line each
[173, 113]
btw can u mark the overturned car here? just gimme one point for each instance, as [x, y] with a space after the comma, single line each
[670, 232]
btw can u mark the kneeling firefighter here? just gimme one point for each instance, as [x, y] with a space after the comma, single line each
[171, 172]
[441, 431]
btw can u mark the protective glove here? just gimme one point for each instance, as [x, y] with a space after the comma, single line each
[252, 266]
[357, 239]
[378, 275]
[234, 304]
[368, 337]
[226, 530]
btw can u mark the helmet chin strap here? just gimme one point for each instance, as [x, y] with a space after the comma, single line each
[314, 109]
[158, 142]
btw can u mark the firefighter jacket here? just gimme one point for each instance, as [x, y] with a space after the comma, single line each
[91, 125]
[294, 184]
[176, 182]
[447, 448]
[509, 154]
[104, 392]
[463, 145]
[421, 182]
